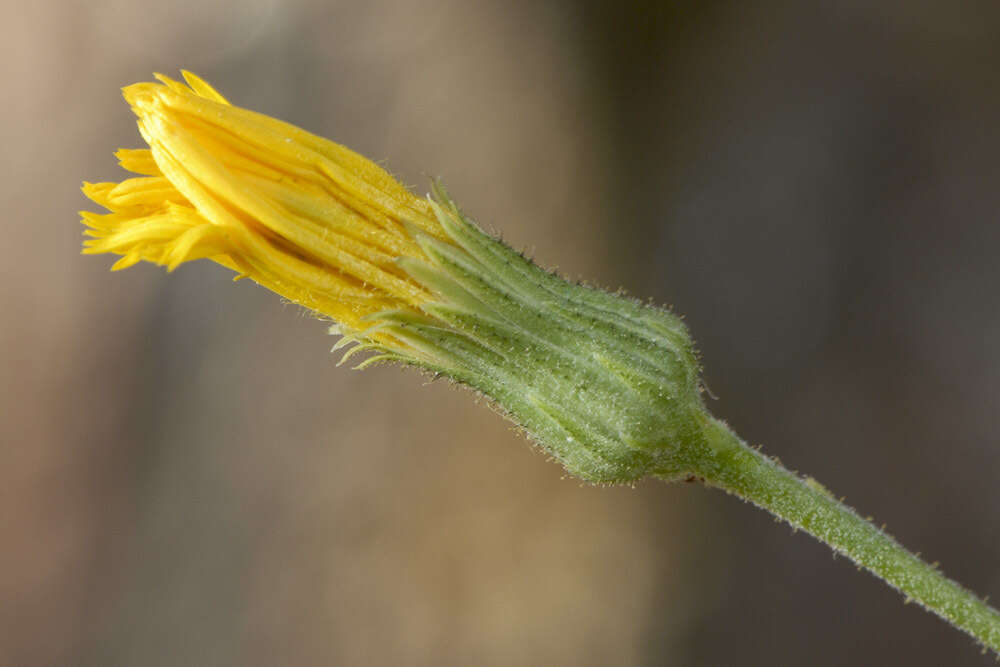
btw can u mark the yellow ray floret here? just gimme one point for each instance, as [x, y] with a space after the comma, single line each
[305, 217]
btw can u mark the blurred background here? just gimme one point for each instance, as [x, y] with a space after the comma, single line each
[186, 478]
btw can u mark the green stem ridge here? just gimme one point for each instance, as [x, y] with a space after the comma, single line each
[745, 472]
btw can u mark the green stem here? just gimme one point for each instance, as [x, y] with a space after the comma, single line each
[733, 466]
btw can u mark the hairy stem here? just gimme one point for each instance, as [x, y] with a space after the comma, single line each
[733, 466]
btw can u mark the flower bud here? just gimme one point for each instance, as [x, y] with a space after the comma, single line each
[606, 385]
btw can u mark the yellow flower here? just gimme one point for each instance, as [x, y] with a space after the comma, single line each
[307, 218]
[601, 382]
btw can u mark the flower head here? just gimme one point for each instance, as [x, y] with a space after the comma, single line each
[606, 385]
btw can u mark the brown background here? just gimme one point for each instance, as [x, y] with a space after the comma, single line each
[186, 478]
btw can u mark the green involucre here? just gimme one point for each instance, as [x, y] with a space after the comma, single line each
[606, 385]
